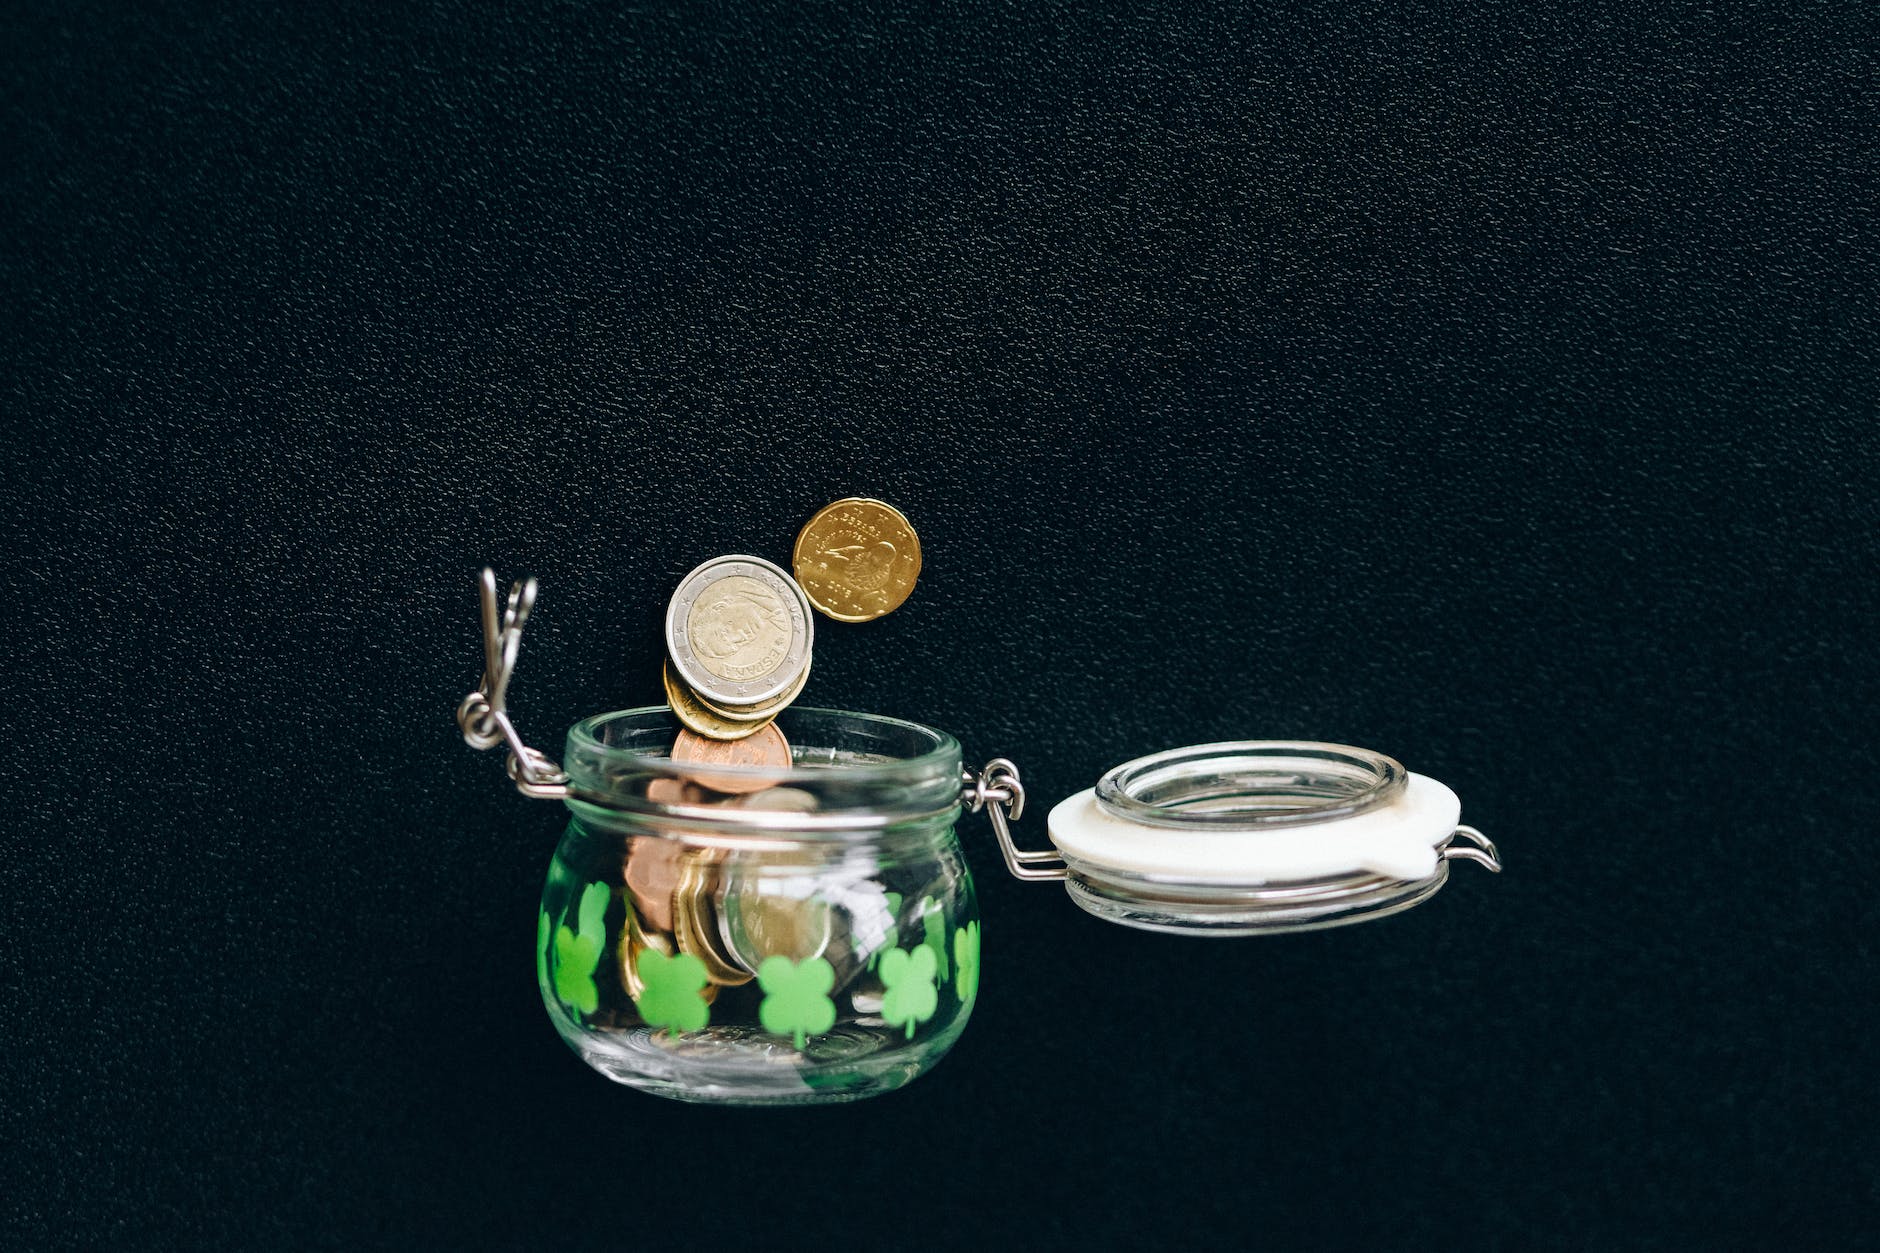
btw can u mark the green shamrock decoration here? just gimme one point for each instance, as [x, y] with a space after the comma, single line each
[908, 974]
[796, 1001]
[966, 962]
[669, 995]
[578, 953]
[933, 922]
[542, 930]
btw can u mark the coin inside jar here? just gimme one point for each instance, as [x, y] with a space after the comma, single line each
[695, 920]
[676, 792]
[739, 631]
[765, 911]
[765, 748]
[857, 559]
[652, 876]
[778, 800]
[638, 940]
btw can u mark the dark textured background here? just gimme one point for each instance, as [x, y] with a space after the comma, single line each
[1490, 386]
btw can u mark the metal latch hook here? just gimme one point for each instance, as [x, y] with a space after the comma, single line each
[483, 715]
[998, 790]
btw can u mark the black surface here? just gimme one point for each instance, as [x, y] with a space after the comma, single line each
[1493, 386]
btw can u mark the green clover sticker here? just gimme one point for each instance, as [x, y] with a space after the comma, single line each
[966, 962]
[908, 975]
[669, 993]
[796, 1001]
[578, 953]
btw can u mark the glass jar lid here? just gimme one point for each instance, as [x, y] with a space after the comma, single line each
[1257, 836]
[1258, 811]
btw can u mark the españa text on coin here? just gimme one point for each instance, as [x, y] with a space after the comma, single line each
[759, 713]
[739, 630]
[702, 718]
[857, 559]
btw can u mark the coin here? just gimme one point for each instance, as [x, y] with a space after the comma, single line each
[652, 875]
[638, 940]
[857, 559]
[708, 722]
[759, 713]
[695, 921]
[766, 748]
[675, 792]
[738, 630]
[765, 911]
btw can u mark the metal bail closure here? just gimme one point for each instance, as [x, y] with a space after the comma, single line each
[1252, 837]
[997, 790]
[483, 715]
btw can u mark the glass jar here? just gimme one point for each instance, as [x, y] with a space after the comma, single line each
[760, 936]
[806, 935]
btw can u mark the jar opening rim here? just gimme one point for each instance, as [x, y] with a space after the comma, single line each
[1242, 785]
[852, 776]
[937, 749]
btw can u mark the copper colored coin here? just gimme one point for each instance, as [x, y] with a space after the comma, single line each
[767, 749]
[652, 875]
[675, 792]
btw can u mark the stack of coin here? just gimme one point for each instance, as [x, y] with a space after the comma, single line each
[738, 642]
[739, 632]
[695, 919]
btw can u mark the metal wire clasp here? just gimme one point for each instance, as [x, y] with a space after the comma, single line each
[483, 716]
[997, 790]
[1479, 849]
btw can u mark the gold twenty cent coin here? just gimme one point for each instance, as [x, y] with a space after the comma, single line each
[695, 920]
[857, 559]
[637, 940]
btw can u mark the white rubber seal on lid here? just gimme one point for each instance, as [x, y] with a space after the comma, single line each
[1399, 839]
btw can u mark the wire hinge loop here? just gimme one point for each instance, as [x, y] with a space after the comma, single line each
[997, 790]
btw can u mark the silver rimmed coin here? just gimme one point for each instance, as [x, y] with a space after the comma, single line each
[759, 713]
[738, 630]
[699, 717]
[770, 908]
